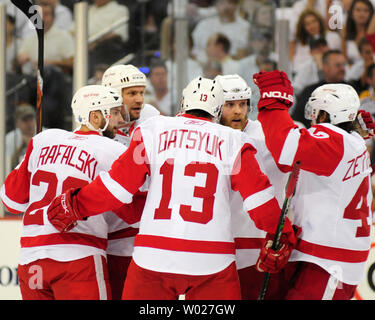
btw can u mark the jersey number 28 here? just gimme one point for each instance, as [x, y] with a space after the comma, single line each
[51, 180]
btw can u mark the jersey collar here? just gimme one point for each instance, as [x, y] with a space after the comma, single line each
[195, 117]
[86, 133]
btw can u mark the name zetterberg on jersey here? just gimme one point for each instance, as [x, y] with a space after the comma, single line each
[357, 165]
[70, 156]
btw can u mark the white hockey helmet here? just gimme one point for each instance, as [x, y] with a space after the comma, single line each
[123, 76]
[339, 100]
[234, 88]
[94, 98]
[203, 94]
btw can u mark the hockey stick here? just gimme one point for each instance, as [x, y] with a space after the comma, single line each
[290, 188]
[32, 14]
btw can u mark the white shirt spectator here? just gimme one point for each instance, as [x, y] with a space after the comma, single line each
[193, 70]
[247, 68]
[296, 10]
[101, 17]
[307, 73]
[63, 17]
[230, 66]
[58, 44]
[303, 51]
[353, 52]
[164, 105]
[237, 32]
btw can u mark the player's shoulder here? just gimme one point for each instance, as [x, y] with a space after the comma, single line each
[149, 111]
[327, 128]
[253, 127]
[335, 133]
[254, 134]
[50, 134]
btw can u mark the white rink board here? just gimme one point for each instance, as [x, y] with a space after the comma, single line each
[366, 290]
[10, 232]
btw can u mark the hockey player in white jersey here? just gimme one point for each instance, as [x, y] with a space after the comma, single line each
[247, 237]
[332, 202]
[185, 244]
[131, 82]
[72, 265]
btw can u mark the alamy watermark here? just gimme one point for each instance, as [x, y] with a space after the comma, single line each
[35, 17]
[36, 280]
[336, 19]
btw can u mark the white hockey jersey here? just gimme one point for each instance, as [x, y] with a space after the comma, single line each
[333, 198]
[194, 166]
[124, 134]
[55, 161]
[247, 237]
[121, 234]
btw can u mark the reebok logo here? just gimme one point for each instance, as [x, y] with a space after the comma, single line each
[63, 203]
[278, 95]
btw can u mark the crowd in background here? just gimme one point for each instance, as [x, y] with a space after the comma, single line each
[330, 41]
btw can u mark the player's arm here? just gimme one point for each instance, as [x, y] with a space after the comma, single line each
[263, 208]
[257, 192]
[286, 142]
[15, 190]
[108, 192]
[132, 212]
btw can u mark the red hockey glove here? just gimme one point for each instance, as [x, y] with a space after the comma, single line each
[63, 211]
[276, 91]
[367, 124]
[272, 261]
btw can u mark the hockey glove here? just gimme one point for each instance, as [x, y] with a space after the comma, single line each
[272, 261]
[367, 124]
[276, 91]
[63, 211]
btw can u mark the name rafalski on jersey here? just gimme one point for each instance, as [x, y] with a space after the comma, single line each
[70, 156]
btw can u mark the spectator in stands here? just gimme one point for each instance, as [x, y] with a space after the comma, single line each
[358, 20]
[160, 97]
[99, 70]
[58, 46]
[310, 25]
[23, 26]
[262, 47]
[333, 67]
[11, 45]
[211, 69]
[228, 23]
[310, 71]
[103, 13]
[261, 15]
[217, 49]
[63, 16]
[368, 96]
[17, 140]
[299, 6]
[358, 69]
[193, 68]
[357, 73]
[262, 58]
[109, 47]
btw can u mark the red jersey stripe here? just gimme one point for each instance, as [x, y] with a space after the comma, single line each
[64, 238]
[174, 244]
[331, 253]
[123, 233]
[248, 243]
